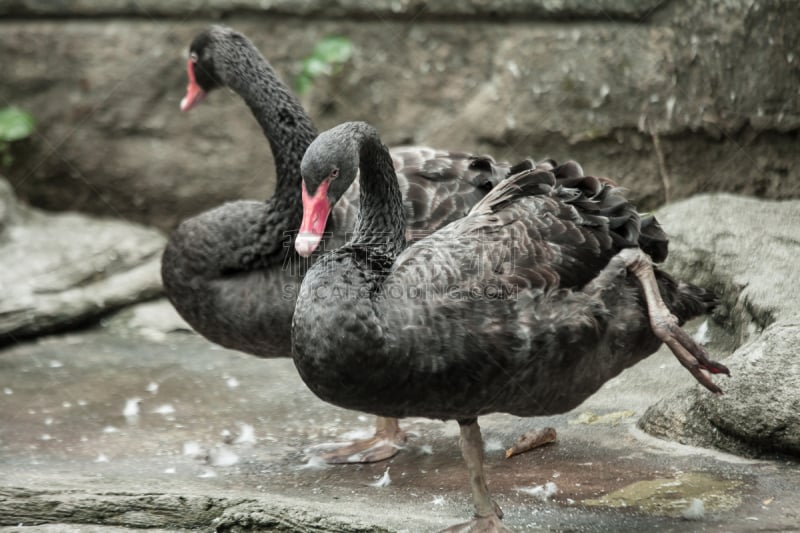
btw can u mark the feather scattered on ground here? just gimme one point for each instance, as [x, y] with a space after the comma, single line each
[492, 445]
[356, 434]
[425, 449]
[695, 511]
[131, 408]
[192, 448]
[247, 435]
[165, 409]
[384, 481]
[542, 492]
[314, 462]
[222, 456]
[702, 336]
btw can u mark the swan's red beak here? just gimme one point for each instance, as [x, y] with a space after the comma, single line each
[315, 215]
[194, 94]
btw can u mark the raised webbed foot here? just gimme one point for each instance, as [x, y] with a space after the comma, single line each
[665, 325]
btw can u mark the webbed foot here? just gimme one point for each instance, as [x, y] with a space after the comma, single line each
[665, 325]
[483, 524]
[387, 441]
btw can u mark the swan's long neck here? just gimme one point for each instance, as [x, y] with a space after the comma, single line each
[338, 322]
[285, 123]
[381, 222]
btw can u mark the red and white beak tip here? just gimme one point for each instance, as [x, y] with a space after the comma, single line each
[305, 243]
[194, 93]
[316, 209]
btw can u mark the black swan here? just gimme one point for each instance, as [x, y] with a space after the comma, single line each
[525, 306]
[232, 273]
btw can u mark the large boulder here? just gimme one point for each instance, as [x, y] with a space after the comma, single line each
[747, 250]
[670, 97]
[477, 9]
[62, 270]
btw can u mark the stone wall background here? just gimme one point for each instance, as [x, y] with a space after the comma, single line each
[670, 97]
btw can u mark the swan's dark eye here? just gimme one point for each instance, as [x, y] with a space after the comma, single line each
[193, 57]
[334, 174]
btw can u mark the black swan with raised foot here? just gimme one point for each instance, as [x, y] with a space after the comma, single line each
[525, 306]
[232, 272]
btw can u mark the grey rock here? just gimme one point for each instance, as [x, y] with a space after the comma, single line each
[78, 528]
[158, 315]
[62, 270]
[670, 98]
[111, 140]
[742, 247]
[745, 249]
[624, 9]
[173, 511]
[716, 39]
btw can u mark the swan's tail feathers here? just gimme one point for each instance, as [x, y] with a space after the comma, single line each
[522, 166]
[484, 172]
[598, 200]
[652, 239]
[685, 300]
[529, 182]
[601, 196]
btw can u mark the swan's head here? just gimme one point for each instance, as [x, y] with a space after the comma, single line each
[206, 62]
[329, 167]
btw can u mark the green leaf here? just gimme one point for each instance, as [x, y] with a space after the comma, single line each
[5, 154]
[302, 84]
[328, 54]
[15, 124]
[333, 49]
[313, 67]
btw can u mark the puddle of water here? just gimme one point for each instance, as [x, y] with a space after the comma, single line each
[610, 418]
[672, 496]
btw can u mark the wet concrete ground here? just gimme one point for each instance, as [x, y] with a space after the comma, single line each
[215, 439]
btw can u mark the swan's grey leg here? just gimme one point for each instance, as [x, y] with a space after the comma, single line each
[663, 323]
[471, 443]
[487, 512]
[389, 427]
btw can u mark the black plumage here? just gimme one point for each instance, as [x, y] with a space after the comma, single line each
[232, 272]
[524, 306]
